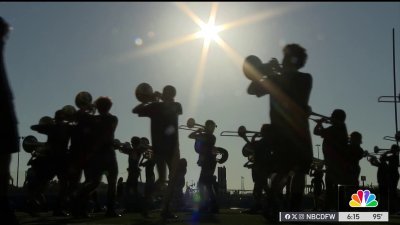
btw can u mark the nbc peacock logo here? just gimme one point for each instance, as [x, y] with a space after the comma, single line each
[363, 199]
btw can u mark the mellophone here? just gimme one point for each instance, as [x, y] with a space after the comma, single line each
[31, 145]
[144, 93]
[221, 154]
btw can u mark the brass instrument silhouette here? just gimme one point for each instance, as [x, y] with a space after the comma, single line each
[391, 99]
[31, 145]
[69, 113]
[83, 100]
[248, 148]
[378, 150]
[144, 93]
[146, 149]
[389, 138]
[241, 131]
[122, 147]
[324, 119]
[191, 125]
[255, 70]
[221, 154]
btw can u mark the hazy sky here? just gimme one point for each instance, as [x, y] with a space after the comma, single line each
[56, 50]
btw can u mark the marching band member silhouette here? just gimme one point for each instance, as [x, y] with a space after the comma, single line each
[133, 167]
[205, 143]
[82, 142]
[146, 152]
[165, 140]
[382, 176]
[334, 146]
[263, 165]
[354, 155]
[318, 185]
[289, 91]
[58, 133]
[392, 159]
[102, 159]
[9, 134]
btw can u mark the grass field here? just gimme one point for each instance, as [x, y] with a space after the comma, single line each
[225, 217]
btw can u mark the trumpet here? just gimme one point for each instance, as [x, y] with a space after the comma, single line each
[240, 133]
[323, 118]
[191, 125]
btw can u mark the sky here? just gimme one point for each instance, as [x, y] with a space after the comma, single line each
[56, 50]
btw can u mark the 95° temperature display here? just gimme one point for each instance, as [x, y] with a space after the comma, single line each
[363, 216]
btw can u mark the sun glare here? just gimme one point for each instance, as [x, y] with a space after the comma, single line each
[209, 31]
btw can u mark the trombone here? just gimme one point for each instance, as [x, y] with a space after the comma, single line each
[241, 131]
[191, 125]
[389, 138]
[389, 98]
[323, 118]
[380, 151]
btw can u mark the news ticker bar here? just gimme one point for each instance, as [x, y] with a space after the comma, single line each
[333, 216]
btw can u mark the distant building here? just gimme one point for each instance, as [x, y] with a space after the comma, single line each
[222, 187]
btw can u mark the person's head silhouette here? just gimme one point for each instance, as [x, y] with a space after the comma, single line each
[103, 105]
[210, 126]
[169, 93]
[295, 57]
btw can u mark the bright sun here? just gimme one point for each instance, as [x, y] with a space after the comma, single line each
[209, 31]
